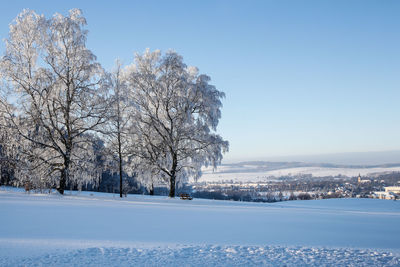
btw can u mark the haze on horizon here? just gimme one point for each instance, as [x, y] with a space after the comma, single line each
[349, 158]
[317, 78]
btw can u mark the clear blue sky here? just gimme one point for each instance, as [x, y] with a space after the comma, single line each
[300, 77]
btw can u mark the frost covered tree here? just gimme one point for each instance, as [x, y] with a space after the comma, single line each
[175, 117]
[59, 95]
[7, 157]
[118, 123]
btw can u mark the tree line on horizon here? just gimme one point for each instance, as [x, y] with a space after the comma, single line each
[66, 120]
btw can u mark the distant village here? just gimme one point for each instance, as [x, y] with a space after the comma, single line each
[305, 187]
[273, 189]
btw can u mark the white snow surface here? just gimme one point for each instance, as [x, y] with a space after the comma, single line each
[249, 173]
[98, 229]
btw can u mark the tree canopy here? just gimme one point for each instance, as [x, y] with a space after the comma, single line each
[158, 115]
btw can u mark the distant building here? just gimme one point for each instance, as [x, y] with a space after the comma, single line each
[362, 181]
[392, 189]
[391, 192]
[383, 195]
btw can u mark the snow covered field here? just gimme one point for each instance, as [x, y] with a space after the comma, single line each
[100, 229]
[251, 174]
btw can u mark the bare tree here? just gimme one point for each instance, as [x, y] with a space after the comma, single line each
[60, 91]
[119, 122]
[175, 117]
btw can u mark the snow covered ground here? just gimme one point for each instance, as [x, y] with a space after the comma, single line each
[89, 229]
[248, 173]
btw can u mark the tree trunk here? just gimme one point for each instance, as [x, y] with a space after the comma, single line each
[151, 191]
[119, 154]
[172, 180]
[120, 174]
[172, 186]
[98, 184]
[64, 173]
[63, 181]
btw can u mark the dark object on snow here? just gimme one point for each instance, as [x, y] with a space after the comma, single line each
[27, 186]
[185, 196]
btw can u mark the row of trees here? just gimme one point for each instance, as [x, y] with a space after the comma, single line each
[155, 119]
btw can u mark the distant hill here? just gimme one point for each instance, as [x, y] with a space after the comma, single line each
[257, 171]
[260, 166]
[374, 158]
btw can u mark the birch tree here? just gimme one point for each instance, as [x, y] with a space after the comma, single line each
[59, 94]
[119, 123]
[175, 117]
